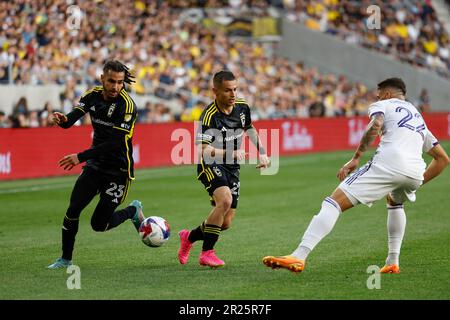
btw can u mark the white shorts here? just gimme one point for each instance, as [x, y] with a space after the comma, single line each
[373, 182]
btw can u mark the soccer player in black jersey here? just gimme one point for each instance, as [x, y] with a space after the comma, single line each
[220, 134]
[109, 162]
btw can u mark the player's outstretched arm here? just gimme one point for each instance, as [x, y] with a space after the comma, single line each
[69, 161]
[437, 165]
[56, 118]
[65, 121]
[264, 160]
[373, 129]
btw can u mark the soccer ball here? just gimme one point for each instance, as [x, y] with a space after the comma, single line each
[154, 231]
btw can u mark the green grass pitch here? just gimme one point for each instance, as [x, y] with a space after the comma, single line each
[272, 215]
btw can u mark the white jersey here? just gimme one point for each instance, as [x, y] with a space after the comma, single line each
[405, 137]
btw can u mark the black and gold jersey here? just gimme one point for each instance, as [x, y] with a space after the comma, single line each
[224, 131]
[113, 122]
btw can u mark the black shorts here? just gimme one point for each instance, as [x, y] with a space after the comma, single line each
[113, 190]
[216, 176]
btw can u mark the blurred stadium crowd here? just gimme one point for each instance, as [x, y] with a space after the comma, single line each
[174, 56]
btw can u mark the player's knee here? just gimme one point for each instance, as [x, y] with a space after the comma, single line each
[226, 225]
[390, 200]
[98, 227]
[225, 203]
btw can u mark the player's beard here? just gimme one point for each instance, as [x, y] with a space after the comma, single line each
[112, 94]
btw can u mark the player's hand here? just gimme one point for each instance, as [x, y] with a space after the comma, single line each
[264, 162]
[69, 161]
[347, 168]
[239, 155]
[57, 118]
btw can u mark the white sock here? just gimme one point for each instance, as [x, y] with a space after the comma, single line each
[320, 225]
[396, 224]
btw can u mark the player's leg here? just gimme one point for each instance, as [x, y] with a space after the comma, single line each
[235, 190]
[211, 181]
[320, 226]
[322, 223]
[368, 184]
[223, 200]
[229, 216]
[396, 223]
[83, 192]
[114, 191]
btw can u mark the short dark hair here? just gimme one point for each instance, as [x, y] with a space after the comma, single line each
[395, 83]
[224, 75]
[117, 66]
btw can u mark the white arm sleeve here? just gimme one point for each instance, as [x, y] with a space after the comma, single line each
[429, 142]
[377, 107]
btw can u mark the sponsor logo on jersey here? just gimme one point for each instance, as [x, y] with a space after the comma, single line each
[125, 126]
[234, 137]
[109, 124]
[206, 137]
[93, 108]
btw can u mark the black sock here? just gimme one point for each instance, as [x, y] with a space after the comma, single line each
[69, 231]
[119, 216]
[197, 233]
[211, 235]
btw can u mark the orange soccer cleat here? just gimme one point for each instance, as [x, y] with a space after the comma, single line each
[287, 262]
[390, 269]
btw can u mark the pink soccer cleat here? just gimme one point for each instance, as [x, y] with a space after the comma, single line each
[185, 246]
[209, 258]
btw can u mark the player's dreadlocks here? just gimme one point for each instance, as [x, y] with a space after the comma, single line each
[117, 66]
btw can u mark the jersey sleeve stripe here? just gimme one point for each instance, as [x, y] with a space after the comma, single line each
[210, 117]
[127, 131]
[130, 104]
[128, 137]
[376, 113]
[127, 102]
[96, 89]
[80, 109]
[210, 109]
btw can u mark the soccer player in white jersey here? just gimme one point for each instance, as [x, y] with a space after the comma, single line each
[396, 171]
